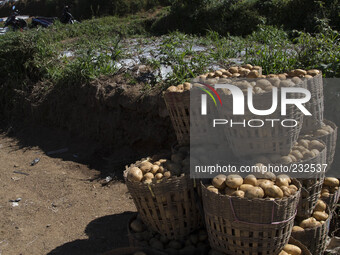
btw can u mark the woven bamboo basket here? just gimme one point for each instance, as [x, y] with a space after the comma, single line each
[132, 250]
[267, 139]
[169, 207]
[303, 248]
[243, 226]
[314, 238]
[332, 200]
[310, 193]
[315, 105]
[330, 141]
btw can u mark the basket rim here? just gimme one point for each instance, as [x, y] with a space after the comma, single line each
[327, 122]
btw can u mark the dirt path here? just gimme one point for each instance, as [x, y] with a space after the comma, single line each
[63, 210]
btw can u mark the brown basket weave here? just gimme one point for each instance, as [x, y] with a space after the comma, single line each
[314, 238]
[315, 105]
[309, 195]
[132, 250]
[247, 140]
[243, 226]
[332, 200]
[168, 207]
[303, 248]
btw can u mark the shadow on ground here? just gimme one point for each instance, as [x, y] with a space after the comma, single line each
[104, 234]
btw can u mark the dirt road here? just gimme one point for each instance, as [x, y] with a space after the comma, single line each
[63, 209]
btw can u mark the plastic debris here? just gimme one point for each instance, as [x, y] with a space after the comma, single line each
[35, 161]
[19, 172]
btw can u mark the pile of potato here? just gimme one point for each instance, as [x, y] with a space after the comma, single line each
[324, 130]
[155, 170]
[262, 84]
[189, 245]
[304, 149]
[265, 185]
[318, 218]
[291, 249]
[330, 186]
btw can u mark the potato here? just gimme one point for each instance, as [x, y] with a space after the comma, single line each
[234, 181]
[233, 69]
[292, 157]
[263, 84]
[159, 176]
[286, 191]
[316, 152]
[286, 83]
[325, 194]
[148, 175]
[255, 192]
[293, 189]
[309, 223]
[282, 76]
[212, 189]
[265, 183]
[304, 143]
[180, 88]
[316, 145]
[283, 253]
[145, 166]
[187, 86]
[274, 192]
[313, 72]
[282, 180]
[297, 154]
[320, 132]
[333, 189]
[331, 182]
[245, 187]
[292, 249]
[147, 181]
[172, 89]
[297, 229]
[137, 226]
[238, 193]
[218, 73]
[308, 155]
[154, 169]
[328, 128]
[250, 179]
[167, 174]
[236, 75]
[219, 181]
[135, 174]
[253, 74]
[320, 216]
[320, 206]
[300, 72]
[247, 66]
[296, 80]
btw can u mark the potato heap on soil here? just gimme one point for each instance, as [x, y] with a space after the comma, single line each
[265, 185]
[151, 170]
[262, 84]
[318, 218]
[196, 241]
[303, 150]
[324, 130]
[291, 249]
[330, 186]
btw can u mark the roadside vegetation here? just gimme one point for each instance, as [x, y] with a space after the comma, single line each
[70, 55]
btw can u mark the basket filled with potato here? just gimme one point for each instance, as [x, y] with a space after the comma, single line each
[328, 134]
[177, 100]
[330, 192]
[133, 251]
[251, 215]
[315, 105]
[164, 194]
[257, 135]
[294, 247]
[313, 231]
[196, 243]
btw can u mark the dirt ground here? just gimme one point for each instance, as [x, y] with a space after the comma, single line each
[64, 207]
